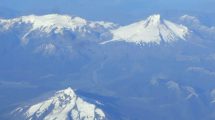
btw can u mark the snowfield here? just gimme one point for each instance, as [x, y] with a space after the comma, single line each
[64, 105]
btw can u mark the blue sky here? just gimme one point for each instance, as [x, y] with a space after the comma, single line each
[110, 10]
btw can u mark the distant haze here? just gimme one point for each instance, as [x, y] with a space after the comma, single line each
[109, 10]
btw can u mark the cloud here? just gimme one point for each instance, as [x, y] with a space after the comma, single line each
[195, 25]
[173, 85]
[13, 84]
[191, 92]
[201, 70]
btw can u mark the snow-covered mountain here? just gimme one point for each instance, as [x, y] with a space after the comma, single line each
[174, 80]
[152, 30]
[58, 35]
[55, 22]
[64, 105]
[53, 34]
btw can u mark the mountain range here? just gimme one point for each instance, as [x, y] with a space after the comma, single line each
[150, 69]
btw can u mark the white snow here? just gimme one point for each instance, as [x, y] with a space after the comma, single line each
[38, 32]
[47, 49]
[46, 25]
[65, 104]
[151, 30]
[49, 22]
[56, 23]
[107, 25]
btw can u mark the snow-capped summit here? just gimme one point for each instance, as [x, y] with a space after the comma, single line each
[54, 34]
[46, 23]
[152, 30]
[53, 22]
[64, 105]
[154, 19]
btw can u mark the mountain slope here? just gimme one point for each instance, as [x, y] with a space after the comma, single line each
[59, 35]
[52, 34]
[64, 105]
[54, 22]
[47, 25]
[152, 30]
